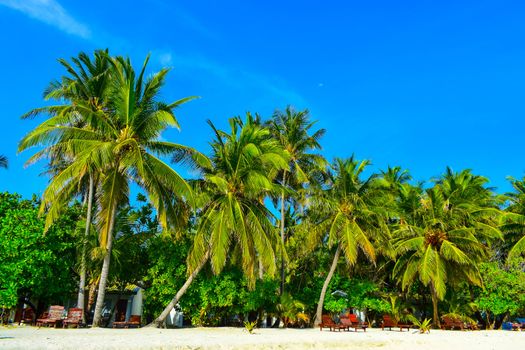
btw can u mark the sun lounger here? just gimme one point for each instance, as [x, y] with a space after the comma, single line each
[451, 323]
[53, 317]
[134, 322]
[28, 316]
[327, 322]
[74, 318]
[388, 322]
[356, 323]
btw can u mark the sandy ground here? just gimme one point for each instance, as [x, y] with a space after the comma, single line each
[237, 338]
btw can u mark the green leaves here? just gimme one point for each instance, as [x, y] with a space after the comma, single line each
[35, 264]
[348, 210]
[445, 233]
[504, 289]
[244, 164]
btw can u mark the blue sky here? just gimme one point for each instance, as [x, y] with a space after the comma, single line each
[421, 84]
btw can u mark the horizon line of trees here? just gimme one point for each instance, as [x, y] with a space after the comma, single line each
[267, 209]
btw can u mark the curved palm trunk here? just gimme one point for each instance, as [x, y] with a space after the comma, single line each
[97, 318]
[82, 283]
[436, 321]
[319, 313]
[161, 320]
[282, 235]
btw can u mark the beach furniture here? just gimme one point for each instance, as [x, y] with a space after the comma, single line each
[74, 318]
[327, 322]
[134, 322]
[406, 326]
[388, 322]
[356, 323]
[53, 317]
[451, 323]
[28, 316]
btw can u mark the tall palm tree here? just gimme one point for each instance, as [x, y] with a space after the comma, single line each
[351, 213]
[444, 239]
[234, 218]
[3, 162]
[120, 145]
[85, 85]
[293, 130]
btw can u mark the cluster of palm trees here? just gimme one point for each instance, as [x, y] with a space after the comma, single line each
[105, 134]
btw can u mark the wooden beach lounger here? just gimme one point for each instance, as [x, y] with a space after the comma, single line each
[74, 318]
[53, 317]
[327, 322]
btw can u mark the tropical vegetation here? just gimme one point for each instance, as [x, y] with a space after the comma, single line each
[264, 230]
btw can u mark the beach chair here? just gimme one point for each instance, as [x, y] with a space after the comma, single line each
[388, 322]
[327, 322]
[346, 323]
[406, 326]
[134, 322]
[452, 323]
[356, 323]
[119, 320]
[74, 318]
[28, 316]
[53, 317]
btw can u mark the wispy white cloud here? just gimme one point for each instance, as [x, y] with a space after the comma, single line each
[50, 12]
[234, 77]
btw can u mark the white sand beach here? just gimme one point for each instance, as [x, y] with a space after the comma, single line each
[237, 338]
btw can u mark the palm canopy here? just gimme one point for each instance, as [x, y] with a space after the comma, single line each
[394, 178]
[118, 139]
[445, 235]
[293, 130]
[244, 164]
[351, 210]
[514, 218]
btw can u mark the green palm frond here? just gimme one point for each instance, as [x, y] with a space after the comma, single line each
[3, 162]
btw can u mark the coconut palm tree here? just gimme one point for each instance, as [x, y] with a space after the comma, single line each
[3, 162]
[445, 238]
[233, 217]
[293, 130]
[120, 145]
[85, 85]
[351, 213]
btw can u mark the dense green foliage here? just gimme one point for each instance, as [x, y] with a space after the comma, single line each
[41, 266]
[504, 290]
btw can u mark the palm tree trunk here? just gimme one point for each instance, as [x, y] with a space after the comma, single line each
[91, 297]
[97, 318]
[436, 321]
[261, 269]
[282, 235]
[319, 313]
[82, 284]
[161, 320]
